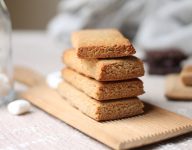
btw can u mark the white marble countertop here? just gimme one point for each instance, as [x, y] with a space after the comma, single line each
[38, 130]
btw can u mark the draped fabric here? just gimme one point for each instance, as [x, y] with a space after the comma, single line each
[150, 24]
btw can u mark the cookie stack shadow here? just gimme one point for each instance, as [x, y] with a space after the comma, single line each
[101, 77]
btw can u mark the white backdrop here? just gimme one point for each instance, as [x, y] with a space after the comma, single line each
[151, 24]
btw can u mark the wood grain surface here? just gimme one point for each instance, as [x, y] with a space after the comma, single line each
[155, 125]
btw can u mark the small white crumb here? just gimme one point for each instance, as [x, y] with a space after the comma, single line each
[53, 79]
[19, 107]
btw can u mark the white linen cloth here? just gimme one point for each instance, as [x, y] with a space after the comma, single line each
[151, 24]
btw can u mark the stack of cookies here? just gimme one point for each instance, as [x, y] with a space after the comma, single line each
[101, 78]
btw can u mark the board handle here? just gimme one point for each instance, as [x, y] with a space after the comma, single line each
[28, 76]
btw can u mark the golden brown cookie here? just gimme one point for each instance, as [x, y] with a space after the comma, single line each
[103, 90]
[186, 75]
[101, 43]
[105, 69]
[100, 111]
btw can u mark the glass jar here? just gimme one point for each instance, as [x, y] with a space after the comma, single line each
[6, 74]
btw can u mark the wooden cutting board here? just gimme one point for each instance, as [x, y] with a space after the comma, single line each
[155, 125]
[176, 90]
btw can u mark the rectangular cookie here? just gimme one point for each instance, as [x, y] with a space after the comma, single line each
[100, 111]
[105, 69]
[101, 43]
[103, 90]
[186, 75]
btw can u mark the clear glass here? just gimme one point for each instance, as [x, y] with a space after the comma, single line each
[6, 74]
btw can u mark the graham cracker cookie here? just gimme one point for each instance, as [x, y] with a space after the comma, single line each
[186, 75]
[101, 43]
[175, 89]
[105, 69]
[100, 111]
[103, 90]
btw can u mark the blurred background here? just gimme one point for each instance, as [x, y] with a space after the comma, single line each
[31, 14]
[160, 30]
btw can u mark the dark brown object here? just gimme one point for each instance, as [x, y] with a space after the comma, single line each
[164, 61]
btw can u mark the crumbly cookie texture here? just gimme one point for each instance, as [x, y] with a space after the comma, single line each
[103, 90]
[105, 69]
[186, 75]
[100, 111]
[101, 43]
